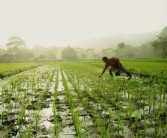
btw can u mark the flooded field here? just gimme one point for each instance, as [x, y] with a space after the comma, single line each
[68, 100]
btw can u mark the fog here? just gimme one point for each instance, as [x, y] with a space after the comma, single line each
[75, 22]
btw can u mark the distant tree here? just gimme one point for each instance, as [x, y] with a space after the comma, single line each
[164, 32]
[23, 55]
[107, 52]
[7, 58]
[50, 54]
[155, 45]
[162, 40]
[129, 55]
[96, 56]
[2, 51]
[69, 53]
[83, 56]
[161, 43]
[80, 53]
[41, 57]
[121, 45]
[38, 50]
[14, 44]
[90, 53]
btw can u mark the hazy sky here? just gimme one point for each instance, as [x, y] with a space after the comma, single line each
[49, 22]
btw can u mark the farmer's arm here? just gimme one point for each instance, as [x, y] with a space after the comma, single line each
[103, 71]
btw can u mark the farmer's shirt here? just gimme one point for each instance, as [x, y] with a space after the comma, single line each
[114, 62]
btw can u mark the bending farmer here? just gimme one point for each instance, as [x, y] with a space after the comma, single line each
[114, 65]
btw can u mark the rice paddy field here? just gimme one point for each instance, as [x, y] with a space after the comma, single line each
[8, 69]
[69, 100]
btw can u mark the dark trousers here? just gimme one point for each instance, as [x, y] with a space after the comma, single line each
[119, 70]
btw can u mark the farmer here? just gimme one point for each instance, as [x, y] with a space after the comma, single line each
[115, 66]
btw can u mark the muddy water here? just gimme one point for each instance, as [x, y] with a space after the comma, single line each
[127, 133]
[88, 128]
[46, 122]
[63, 109]
[27, 87]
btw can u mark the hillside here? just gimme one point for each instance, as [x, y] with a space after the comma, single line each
[112, 41]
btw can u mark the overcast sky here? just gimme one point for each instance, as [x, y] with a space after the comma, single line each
[49, 22]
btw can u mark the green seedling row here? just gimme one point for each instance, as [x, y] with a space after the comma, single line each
[14, 68]
[76, 99]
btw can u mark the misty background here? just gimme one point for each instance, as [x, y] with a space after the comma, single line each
[50, 30]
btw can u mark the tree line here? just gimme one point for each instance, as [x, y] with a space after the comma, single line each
[16, 50]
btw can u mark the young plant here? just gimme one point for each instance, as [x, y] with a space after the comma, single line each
[77, 122]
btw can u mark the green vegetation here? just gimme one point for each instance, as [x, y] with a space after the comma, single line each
[8, 69]
[150, 46]
[68, 98]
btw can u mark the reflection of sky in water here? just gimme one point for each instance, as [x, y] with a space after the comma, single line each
[61, 97]
[51, 90]
[67, 132]
[47, 124]
[47, 112]
[60, 86]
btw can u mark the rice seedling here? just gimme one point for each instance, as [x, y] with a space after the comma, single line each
[21, 114]
[77, 123]
[114, 104]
